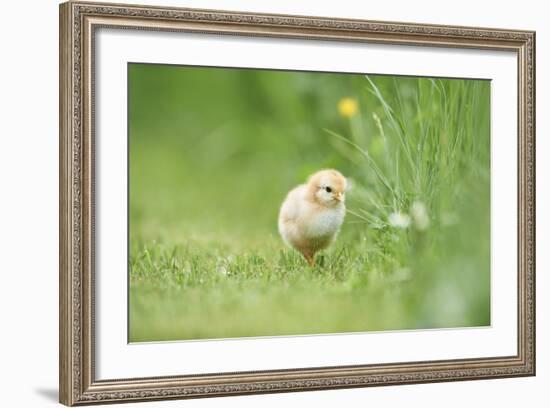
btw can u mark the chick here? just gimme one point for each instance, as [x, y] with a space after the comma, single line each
[312, 213]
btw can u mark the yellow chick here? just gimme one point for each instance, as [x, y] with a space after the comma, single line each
[312, 213]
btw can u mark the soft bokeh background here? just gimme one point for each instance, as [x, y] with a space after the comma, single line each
[212, 154]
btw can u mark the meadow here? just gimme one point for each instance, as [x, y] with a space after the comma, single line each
[212, 154]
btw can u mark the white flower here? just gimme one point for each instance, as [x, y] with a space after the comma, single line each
[420, 216]
[399, 220]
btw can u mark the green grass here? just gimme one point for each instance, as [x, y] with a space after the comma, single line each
[213, 153]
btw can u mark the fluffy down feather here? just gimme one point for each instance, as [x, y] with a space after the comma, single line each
[312, 213]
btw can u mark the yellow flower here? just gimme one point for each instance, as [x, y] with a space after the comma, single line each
[347, 107]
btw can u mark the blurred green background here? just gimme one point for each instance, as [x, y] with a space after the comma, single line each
[213, 152]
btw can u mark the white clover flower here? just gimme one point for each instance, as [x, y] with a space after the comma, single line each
[399, 220]
[420, 216]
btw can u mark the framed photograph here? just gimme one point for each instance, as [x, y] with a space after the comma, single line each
[256, 203]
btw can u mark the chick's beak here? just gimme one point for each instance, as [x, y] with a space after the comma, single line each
[338, 197]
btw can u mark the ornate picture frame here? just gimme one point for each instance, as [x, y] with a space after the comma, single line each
[78, 24]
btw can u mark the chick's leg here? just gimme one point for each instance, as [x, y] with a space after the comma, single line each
[310, 257]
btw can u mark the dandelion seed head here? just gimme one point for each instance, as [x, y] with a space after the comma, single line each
[348, 107]
[399, 220]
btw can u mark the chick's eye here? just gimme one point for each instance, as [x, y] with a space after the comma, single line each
[328, 189]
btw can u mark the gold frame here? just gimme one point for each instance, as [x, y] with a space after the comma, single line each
[78, 21]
